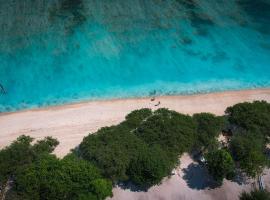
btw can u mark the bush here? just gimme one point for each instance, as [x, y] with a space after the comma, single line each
[255, 195]
[111, 149]
[251, 116]
[248, 150]
[122, 151]
[209, 127]
[51, 178]
[220, 165]
[22, 153]
[150, 167]
[173, 132]
[134, 118]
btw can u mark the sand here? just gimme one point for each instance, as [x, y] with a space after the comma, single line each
[189, 182]
[70, 123]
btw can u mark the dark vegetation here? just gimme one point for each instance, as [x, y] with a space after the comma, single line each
[220, 165]
[251, 131]
[256, 195]
[33, 173]
[141, 150]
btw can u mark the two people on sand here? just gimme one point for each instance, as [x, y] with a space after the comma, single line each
[153, 99]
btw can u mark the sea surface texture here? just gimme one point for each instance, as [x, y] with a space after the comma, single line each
[61, 51]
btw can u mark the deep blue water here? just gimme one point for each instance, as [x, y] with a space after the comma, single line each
[54, 52]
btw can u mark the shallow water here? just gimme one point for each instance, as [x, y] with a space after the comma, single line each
[54, 52]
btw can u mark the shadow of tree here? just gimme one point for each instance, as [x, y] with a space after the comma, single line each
[240, 178]
[197, 177]
[132, 187]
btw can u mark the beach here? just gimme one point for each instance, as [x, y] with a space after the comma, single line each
[71, 123]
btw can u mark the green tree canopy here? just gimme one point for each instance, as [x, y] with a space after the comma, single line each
[209, 127]
[134, 118]
[172, 131]
[220, 165]
[248, 150]
[21, 153]
[255, 195]
[51, 178]
[150, 167]
[111, 149]
[250, 116]
[118, 150]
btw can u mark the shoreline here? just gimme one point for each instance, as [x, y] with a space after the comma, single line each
[69, 123]
[85, 101]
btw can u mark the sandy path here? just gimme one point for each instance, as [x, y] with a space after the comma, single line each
[70, 123]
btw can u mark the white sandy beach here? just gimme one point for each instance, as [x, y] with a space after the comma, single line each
[70, 123]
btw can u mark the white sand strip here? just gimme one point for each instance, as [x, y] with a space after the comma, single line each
[70, 123]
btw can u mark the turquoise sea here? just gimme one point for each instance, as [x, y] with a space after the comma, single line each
[61, 51]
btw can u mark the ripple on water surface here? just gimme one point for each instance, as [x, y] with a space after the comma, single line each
[54, 52]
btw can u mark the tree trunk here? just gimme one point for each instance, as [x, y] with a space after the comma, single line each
[4, 189]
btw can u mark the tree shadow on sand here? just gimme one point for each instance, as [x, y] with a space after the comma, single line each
[128, 185]
[197, 177]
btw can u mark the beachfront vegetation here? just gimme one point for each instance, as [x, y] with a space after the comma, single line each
[250, 117]
[208, 128]
[33, 173]
[20, 154]
[220, 165]
[250, 124]
[248, 149]
[69, 178]
[255, 195]
[143, 149]
[149, 167]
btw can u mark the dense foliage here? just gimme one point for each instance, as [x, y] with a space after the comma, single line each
[150, 167]
[172, 131]
[69, 178]
[255, 195]
[251, 116]
[249, 151]
[19, 154]
[208, 128]
[36, 174]
[143, 149]
[251, 131]
[220, 165]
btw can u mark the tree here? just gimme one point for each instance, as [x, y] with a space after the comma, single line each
[251, 116]
[209, 127]
[134, 118]
[255, 195]
[248, 150]
[46, 145]
[71, 178]
[19, 154]
[220, 165]
[150, 167]
[173, 132]
[111, 149]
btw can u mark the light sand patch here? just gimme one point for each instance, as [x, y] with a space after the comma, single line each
[177, 188]
[70, 123]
